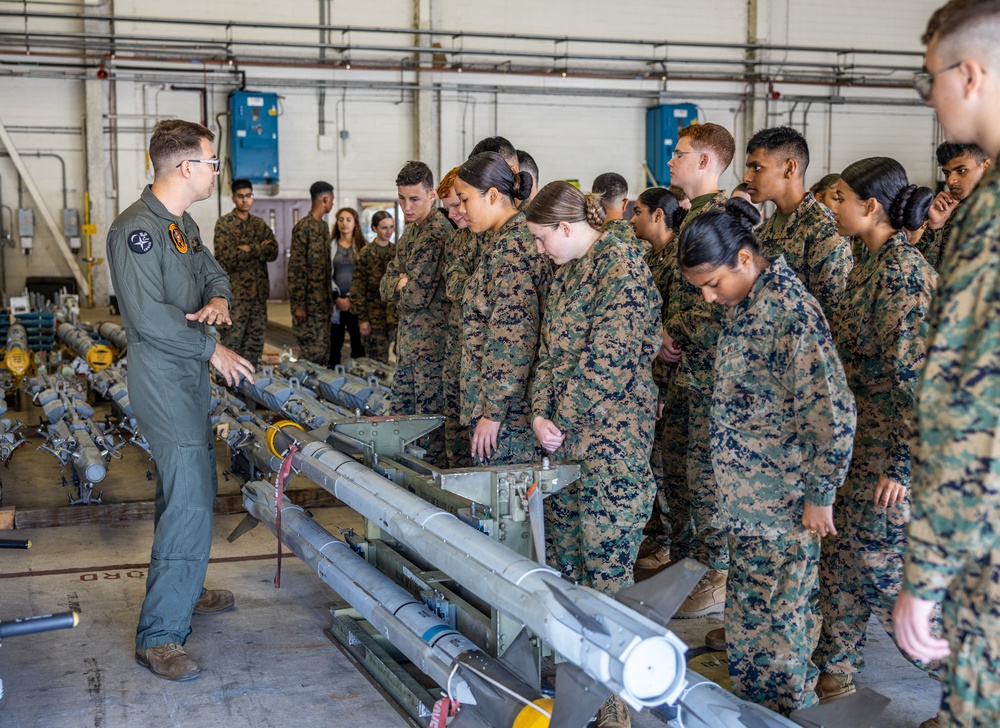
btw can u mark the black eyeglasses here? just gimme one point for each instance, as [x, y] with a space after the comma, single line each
[923, 81]
[214, 162]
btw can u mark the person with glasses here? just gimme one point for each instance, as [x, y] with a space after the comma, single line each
[800, 228]
[169, 289]
[963, 166]
[703, 153]
[244, 245]
[952, 553]
[310, 273]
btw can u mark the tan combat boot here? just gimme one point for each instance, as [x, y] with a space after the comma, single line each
[614, 714]
[831, 687]
[708, 597]
[648, 546]
[213, 601]
[931, 723]
[168, 661]
[658, 558]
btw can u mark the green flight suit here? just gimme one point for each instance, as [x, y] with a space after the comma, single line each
[161, 271]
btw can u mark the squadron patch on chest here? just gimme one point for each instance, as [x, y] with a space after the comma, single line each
[139, 241]
[180, 242]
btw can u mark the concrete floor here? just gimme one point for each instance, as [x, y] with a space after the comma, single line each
[267, 663]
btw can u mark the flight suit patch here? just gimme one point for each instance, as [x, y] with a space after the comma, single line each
[178, 237]
[139, 241]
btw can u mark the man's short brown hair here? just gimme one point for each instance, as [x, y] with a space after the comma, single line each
[711, 138]
[961, 26]
[174, 140]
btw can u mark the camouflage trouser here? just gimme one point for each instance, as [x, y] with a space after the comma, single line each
[416, 385]
[970, 679]
[772, 622]
[853, 585]
[593, 526]
[377, 343]
[515, 445]
[246, 335]
[709, 543]
[313, 336]
[670, 521]
[457, 443]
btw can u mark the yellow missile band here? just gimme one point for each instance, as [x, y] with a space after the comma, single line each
[272, 431]
[99, 357]
[531, 718]
[76, 618]
[29, 544]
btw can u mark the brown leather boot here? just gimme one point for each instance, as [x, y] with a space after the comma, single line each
[168, 661]
[648, 546]
[708, 597]
[716, 640]
[614, 714]
[831, 687]
[213, 601]
[931, 723]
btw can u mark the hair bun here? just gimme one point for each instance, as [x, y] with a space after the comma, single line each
[594, 210]
[522, 185]
[743, 212]
[677, 218]
[909, 208]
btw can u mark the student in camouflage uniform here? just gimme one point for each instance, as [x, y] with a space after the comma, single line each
[413, 282]
[963, 166]
[376, 318]
[310, 273]
[952, 553]
[825, 192]
[702, 154]
[656, 218]
[457, 444]
[801, 229]
[502, 306]
[880, 330]
[613, 191]
[244, 245]
[782, 426]
[593, 399]
[526, 163]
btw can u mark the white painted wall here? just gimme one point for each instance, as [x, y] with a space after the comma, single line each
[574, 129]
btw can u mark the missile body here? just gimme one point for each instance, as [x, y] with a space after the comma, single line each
[97, 356]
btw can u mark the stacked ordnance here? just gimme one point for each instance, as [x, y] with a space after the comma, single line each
[80, 342]
[366, 396]
[72, 436]
[115, 335]
[17, 356]
[111, 383]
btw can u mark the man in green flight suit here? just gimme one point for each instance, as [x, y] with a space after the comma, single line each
[169, 288]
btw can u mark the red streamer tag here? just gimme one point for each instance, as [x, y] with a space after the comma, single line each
[444, 709]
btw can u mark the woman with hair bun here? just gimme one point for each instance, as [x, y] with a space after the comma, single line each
[880, 329]
[656, 218]
[593, 399]
[781, 429]
[502, 307]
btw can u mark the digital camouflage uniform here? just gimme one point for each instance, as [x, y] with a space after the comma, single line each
[880, 329]
[694, 324]
[421, 338]
[933, 244]
[310, 276]
[601, 331]
[819, 255]
[668, 461]
[503, 306]
[782, 428]
[366, 302]
[624, 231]
[248, 278]
[953, 549]
[161, 271]
[461, 260]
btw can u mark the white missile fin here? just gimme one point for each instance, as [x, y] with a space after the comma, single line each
[520, 660]
[659, 597]
[578, 696]
[859, 710]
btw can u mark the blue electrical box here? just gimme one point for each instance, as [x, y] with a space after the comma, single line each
[663, 125]
[253, 136]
